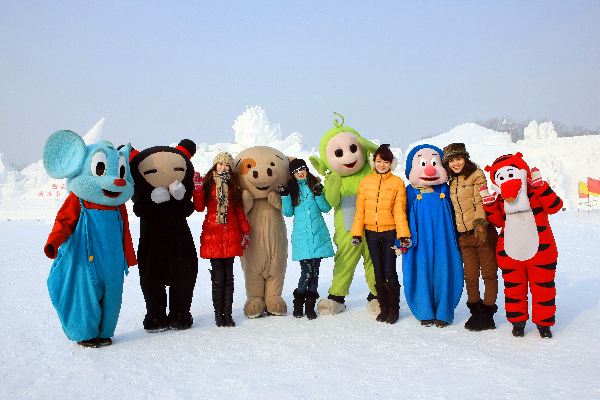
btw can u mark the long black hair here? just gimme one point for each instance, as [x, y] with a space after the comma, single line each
[294, 189]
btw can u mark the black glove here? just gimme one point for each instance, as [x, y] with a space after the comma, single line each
[283, 190]
[317, 189]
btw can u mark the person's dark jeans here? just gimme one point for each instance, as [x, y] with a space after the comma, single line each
[383, 256]
[309, 275]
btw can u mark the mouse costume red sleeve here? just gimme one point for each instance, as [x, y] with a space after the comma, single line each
[127, 241]
[64, 225]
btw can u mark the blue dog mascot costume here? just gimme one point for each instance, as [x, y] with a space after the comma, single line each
[91, 234]
[432, 267]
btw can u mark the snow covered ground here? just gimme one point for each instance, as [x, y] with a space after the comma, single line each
[345, 356]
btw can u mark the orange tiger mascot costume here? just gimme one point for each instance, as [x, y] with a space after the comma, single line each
[526, 249]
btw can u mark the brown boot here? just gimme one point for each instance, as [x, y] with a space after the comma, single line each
[383, 298]
[394, 304]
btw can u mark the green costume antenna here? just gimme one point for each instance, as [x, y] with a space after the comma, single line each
[335, 121]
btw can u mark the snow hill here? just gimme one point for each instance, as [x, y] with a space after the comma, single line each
[563, 162]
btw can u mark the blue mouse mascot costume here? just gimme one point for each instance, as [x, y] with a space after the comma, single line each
[90, 241]
[164, 182]
[432, 266]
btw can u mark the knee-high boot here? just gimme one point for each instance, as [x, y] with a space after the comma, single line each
[384, 305]
[218, 296]
[228, 300]
[394, 304]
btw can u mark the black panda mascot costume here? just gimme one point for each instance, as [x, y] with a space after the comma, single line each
[167, 256]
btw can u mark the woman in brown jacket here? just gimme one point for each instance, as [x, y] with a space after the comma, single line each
[477, 239]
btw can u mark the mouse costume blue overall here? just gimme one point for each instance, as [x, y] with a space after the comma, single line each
[92, 257]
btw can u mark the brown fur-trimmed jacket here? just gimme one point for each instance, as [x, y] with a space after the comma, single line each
[467, 201]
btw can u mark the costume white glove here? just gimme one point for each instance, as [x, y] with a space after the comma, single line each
[160, 195]
[177, 190]
[399, 250]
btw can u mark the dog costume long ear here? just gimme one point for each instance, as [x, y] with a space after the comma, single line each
[64, 153]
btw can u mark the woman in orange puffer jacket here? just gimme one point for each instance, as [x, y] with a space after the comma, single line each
[224, 231]
[381, 214]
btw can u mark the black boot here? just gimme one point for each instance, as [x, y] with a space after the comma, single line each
[299, 299]
[311, 299]
[486, 318]
[228, 300]
[384, 301]
[180, 322]
[518, 329]
[394, 304]
[218, 296]
[545, 332]
[475, 309]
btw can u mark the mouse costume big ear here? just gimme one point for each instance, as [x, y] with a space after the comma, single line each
[64, 154]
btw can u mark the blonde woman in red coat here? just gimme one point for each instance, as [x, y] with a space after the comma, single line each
[225, 232]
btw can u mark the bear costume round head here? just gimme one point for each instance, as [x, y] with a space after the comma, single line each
[261, 169]
[160, 166]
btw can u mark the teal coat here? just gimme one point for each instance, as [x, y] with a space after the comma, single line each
[310, 236]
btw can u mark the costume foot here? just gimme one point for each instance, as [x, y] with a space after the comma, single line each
[90, 343]
[276, 305]
[441, 324]
[545, 332]
[373, 307]
[330, 307]
[156, 324]
[427, 322]
[180, 322]
[518, 329]
[254, 307]
[105, 341]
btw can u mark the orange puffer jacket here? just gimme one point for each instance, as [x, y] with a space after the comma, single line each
[381, 205]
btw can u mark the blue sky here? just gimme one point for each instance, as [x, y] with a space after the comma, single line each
[396, 70]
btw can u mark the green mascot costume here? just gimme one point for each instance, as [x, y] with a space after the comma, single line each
[344, 154]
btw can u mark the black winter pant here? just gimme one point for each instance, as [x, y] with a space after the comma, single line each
[384, 257]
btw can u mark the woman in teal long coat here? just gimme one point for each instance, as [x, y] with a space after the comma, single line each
[310, 237]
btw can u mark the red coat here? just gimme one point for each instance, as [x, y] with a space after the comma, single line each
[216, 240]
[66, 222]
